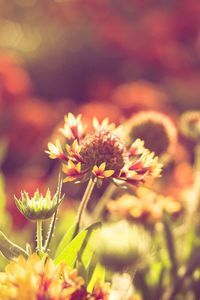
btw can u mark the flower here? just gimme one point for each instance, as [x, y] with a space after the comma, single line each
[128, 252]
[73, 128]
[55, 151]
[190, 124]
[38, 207]
[103, 154]
[156, 130]
[39, 279]
[146, 207]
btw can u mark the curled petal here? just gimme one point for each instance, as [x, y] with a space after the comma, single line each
[56, 152]
[73, 128]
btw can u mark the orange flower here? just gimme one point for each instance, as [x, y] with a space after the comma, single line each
[39, 279]
[146, 207]
[55, 151]
[103, 154]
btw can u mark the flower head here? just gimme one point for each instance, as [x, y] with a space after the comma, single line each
[156, 130]
[190, 125]
[36, 279]
[37, 207]
[103, 154]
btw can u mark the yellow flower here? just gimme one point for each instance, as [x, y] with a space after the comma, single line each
[36, 279]
[104, 155]
[100, 171]
[146, 207]
[55, 151]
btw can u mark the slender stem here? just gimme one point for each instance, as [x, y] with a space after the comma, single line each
[83, 204]
[53, 220]
[97, 212]
[196, 185]
[39, 235]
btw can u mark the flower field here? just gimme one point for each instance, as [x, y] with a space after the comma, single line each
[99, 150]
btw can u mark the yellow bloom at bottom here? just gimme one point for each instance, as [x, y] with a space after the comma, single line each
[36, 279]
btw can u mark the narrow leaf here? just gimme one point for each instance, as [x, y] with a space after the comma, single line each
[98, 275]
[68, 236]
[70, 252]
[9, 249]
[75, 248]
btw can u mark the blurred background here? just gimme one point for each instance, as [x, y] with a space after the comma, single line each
[96, 57]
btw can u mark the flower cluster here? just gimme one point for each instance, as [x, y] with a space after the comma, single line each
[102, 154]
[37, 279]
[146, 207]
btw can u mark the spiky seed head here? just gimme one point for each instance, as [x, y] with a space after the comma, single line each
[103, 147]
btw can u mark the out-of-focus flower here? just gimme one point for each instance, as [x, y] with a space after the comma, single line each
[156, 130]
[38, 207]
[190, 125]
[14, 81]
[104, 155]
[73, 128]
[139, 95]
[130, 251]
[36, 279]
[145, 208]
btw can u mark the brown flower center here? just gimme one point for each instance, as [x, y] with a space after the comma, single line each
[103, 146]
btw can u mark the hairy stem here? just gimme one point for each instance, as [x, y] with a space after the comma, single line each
[53, 220]
[39, 235]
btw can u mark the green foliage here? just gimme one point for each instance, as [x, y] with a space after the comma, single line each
[75, 248]
[98, 275]
[9, 249]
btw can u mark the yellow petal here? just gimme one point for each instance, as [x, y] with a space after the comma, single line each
[69, 179]
[108, 173]
[95, 169]
[102, 166]
[78, 167]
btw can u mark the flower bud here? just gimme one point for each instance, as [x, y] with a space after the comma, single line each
[38, 207]
[121, 247]
[190, 125]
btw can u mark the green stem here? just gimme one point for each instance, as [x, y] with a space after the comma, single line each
[189, 269]
[53, 220]
[83, 204]
[97, 212]
[39, 235]
[170, 246]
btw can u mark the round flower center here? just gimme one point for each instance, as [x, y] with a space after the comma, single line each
[103, 146]
[154, 135]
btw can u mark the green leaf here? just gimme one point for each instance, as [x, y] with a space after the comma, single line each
[68, 236]
[87, 248]
[9, 249]
[75, 248]
[98, 275]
